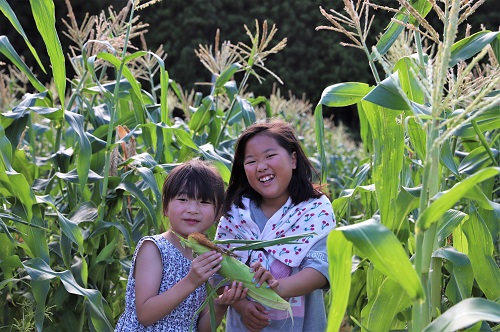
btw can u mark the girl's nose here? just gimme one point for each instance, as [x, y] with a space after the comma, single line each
[193, 207]
[261, 167]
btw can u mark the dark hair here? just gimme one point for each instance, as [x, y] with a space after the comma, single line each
[301, 187]
[196, 179]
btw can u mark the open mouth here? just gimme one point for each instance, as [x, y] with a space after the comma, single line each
[191, 221]
[266, 178]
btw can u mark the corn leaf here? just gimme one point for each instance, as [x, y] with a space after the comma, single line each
[487, 121]
[378, 244]
[450, 220]
[85, 151]
[143, 200]
[464, 314]
[388, 140]
[486, 270]
[340, 271]
[394, 28]
[9, 13]
[9, 51]
[468, 47]
[40, 271]
[389, 94]
[390, 299]
[462, 274]
[344, 94]
[257, 244]
[446, 200]
[320, 138]
[45, 19]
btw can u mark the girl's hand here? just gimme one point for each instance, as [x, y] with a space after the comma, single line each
[232, 295]
[262, 275]
[253, 315]
[203, 267]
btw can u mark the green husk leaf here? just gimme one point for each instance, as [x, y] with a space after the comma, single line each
[233, 269]
[258, 244]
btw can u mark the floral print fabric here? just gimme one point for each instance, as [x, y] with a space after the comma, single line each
[314, 216]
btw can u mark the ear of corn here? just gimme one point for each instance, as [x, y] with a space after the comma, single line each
[233, 269]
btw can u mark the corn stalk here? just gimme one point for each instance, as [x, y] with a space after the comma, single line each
[431, 177]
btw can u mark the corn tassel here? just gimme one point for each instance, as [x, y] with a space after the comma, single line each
[233, 269]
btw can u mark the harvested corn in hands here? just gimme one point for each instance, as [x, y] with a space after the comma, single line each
[233, 269]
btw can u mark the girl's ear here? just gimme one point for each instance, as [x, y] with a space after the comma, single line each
[294, 160]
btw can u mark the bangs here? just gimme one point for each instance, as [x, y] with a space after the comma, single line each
[195, 184]
[196, 187]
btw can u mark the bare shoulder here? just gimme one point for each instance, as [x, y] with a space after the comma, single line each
[148, 258]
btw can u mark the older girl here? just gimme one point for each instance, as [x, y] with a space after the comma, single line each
[270, 195]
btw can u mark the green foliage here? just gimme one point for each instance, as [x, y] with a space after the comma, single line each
[83, 159]
[424, 243]
[311, 61]
[82, 165]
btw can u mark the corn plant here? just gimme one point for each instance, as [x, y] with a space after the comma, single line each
[83, 158]
[422, 255]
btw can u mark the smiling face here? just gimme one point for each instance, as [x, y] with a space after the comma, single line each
[269, 168]
[192, 197]
[189, 215]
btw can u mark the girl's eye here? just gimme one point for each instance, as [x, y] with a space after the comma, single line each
[206, 202]
[271, 155]
[251, 162]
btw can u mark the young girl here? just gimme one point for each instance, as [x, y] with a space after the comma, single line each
[271, 195]
[166, 285]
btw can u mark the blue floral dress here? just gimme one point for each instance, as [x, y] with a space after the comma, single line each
[175, 267]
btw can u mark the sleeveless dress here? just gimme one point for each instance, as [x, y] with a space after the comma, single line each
[175, 267]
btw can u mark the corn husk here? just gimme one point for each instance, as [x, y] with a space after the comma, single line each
[233, 269]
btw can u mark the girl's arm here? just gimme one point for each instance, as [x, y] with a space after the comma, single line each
[301, 283]
[204, 319]
[151, 306]
[313, 274]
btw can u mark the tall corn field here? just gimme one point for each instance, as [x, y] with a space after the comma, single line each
[83, 159]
